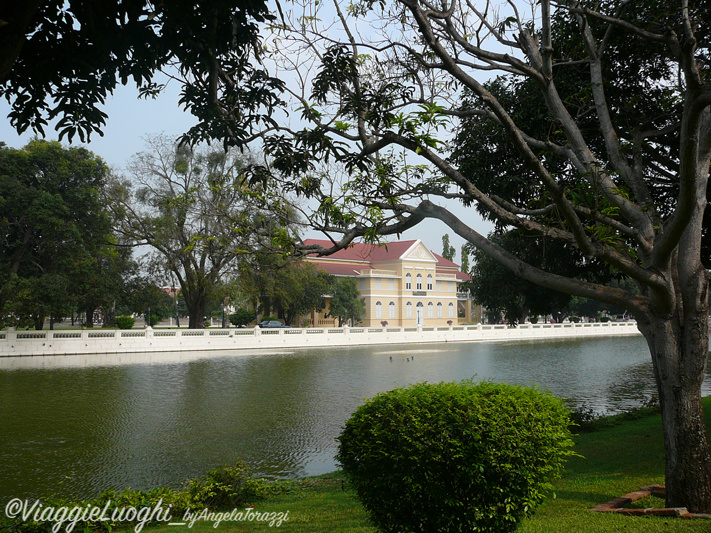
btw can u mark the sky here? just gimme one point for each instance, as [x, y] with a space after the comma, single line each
[131, 120]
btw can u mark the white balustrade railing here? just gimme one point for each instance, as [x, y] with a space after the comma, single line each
[59, 342]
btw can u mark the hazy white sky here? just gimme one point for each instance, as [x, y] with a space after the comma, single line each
[132, 119]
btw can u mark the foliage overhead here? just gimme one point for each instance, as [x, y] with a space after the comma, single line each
[62, 58]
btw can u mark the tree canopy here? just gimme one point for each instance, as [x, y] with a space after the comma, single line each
[276, 283]
[196, 211]
[346, 302]
[56, 233]
[60, 59]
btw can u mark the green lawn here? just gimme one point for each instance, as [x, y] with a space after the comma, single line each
[614, 461]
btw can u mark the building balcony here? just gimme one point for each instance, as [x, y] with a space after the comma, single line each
[375, 273]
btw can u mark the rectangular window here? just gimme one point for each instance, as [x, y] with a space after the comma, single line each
[378, 283]
[391, 284]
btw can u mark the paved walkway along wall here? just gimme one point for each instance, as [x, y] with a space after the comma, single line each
[58, 342]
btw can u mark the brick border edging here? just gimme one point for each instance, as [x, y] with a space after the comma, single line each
[615, 505]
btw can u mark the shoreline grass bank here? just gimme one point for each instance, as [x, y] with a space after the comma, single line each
[617, 455]
[622, 455]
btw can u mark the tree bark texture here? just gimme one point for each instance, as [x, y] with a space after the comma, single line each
[679, 355]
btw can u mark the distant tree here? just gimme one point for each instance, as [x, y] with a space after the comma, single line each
[301, 291]
[448, 250]
[36, 298]
[281, 284]
[346, 301]
[464, 266]
[62, 58]
[503, 293]
[243, 317]
[196, 210]
[56, 235]
[591, 308]
[150, 300]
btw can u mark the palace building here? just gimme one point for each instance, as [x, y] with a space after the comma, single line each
[403, 283]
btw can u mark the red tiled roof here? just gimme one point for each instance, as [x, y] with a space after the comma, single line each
[365, 252]
[442, 262]
[339, 269]
[375, 252]
[463, 276]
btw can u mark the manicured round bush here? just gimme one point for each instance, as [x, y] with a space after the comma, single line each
[454, 456]
[125, 322]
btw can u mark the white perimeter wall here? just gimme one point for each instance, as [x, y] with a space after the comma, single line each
[58, 342]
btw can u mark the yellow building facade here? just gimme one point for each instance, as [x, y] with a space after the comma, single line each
[403, 283]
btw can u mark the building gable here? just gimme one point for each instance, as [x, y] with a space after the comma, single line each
[419, 252]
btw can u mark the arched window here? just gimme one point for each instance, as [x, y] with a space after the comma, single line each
[439, 310]
[451, 310]
[429, 282]
[408, 281]
[391, 309]
[430, 310]
[408, 310]
[378, 310]
[419, 282]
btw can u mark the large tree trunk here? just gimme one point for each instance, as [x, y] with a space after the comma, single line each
[679, 348]
[196, 302]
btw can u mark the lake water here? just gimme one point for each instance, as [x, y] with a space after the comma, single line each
[77, 425]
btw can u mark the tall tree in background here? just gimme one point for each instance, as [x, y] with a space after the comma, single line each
[55, 233]
[503, 293]
[464, 263]
[448, 250]
[194, 208]
[614, 164]
[62, 58]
